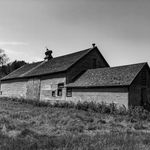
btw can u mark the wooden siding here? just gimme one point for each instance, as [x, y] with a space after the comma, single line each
[49, 85]
[108, 95]
[141, 82]
[33, 89]
[86, 63]
[15, 88]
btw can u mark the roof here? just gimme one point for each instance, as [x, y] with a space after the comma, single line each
[110, 76]
[57, 64]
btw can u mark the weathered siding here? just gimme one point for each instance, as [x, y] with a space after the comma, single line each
[51, 84]
[142, 81]
[33, 89]
[86, 63]
[108, 95]
[15, 88]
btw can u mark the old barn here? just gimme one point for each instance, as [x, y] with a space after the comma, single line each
[80, 76]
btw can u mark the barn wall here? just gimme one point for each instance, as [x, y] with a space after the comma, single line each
[86, 63]
[49, 84]
[142, 81]
[108, 95]
[33, 89]
[15, 88]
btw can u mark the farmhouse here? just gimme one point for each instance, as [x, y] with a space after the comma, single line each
[80, 76]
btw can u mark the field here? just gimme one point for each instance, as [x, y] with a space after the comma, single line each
[29, 127]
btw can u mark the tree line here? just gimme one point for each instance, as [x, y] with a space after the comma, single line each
[7, 67]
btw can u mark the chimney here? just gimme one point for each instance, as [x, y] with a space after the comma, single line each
[48, 54]
[94, 45]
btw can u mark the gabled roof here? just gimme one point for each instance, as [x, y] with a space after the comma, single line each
[57, 64]
[105, 77]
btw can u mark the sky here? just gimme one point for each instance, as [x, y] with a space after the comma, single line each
[120, 28]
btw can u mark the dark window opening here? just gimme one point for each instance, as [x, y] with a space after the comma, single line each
[61, 85]
[59, 92]
[53, 94]
[94, 63]
[60, 89]
[69, 92]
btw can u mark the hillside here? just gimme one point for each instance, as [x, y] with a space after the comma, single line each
[24, 126]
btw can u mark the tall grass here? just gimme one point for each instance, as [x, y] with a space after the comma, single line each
[111, 141]
[135, 113]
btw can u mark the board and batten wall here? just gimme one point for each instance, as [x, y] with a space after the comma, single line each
[108, 95]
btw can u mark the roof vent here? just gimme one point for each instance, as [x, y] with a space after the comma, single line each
[48, 54]
[94, 45]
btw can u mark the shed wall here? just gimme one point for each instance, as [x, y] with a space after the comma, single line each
[109, 95]
[142, 81]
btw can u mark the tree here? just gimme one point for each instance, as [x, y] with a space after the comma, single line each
[16, 64]
[3, 57]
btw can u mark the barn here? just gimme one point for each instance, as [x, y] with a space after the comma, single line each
[81, 76]
[47, 80]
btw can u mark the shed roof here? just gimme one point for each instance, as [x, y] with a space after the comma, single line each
[110, 76]
[57, 64]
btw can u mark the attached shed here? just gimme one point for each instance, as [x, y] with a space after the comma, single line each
[125, 85]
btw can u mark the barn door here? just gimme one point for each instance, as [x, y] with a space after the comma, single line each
[143, 96]
[33, 89]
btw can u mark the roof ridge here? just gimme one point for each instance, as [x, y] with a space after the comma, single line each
[109, 76]
[89, 49]
[119, 66]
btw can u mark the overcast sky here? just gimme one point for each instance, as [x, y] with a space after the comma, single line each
[120, 28]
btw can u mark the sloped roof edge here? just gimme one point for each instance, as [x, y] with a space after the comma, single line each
[108, 77]
[32, 72]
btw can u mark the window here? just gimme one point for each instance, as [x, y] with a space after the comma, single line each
[53, 94]
[69, 92]
[94, 63]
[59, 92]
[60, 88]
[61, 85]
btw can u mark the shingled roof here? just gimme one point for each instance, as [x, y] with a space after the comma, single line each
[105, 77]
[57, 64]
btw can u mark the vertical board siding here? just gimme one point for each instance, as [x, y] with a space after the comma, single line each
[33, 89]
[84, 64]
[141, 81]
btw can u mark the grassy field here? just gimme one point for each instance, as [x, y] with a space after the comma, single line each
[28, 127]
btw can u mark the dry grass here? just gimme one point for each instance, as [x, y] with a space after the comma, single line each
[25, 126]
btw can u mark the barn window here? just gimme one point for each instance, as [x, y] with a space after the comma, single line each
[69, 92]
[59, 92]
[94, 63]
[60, 88]
[53, 93]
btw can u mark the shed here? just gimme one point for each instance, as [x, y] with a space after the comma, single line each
[127, 85]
